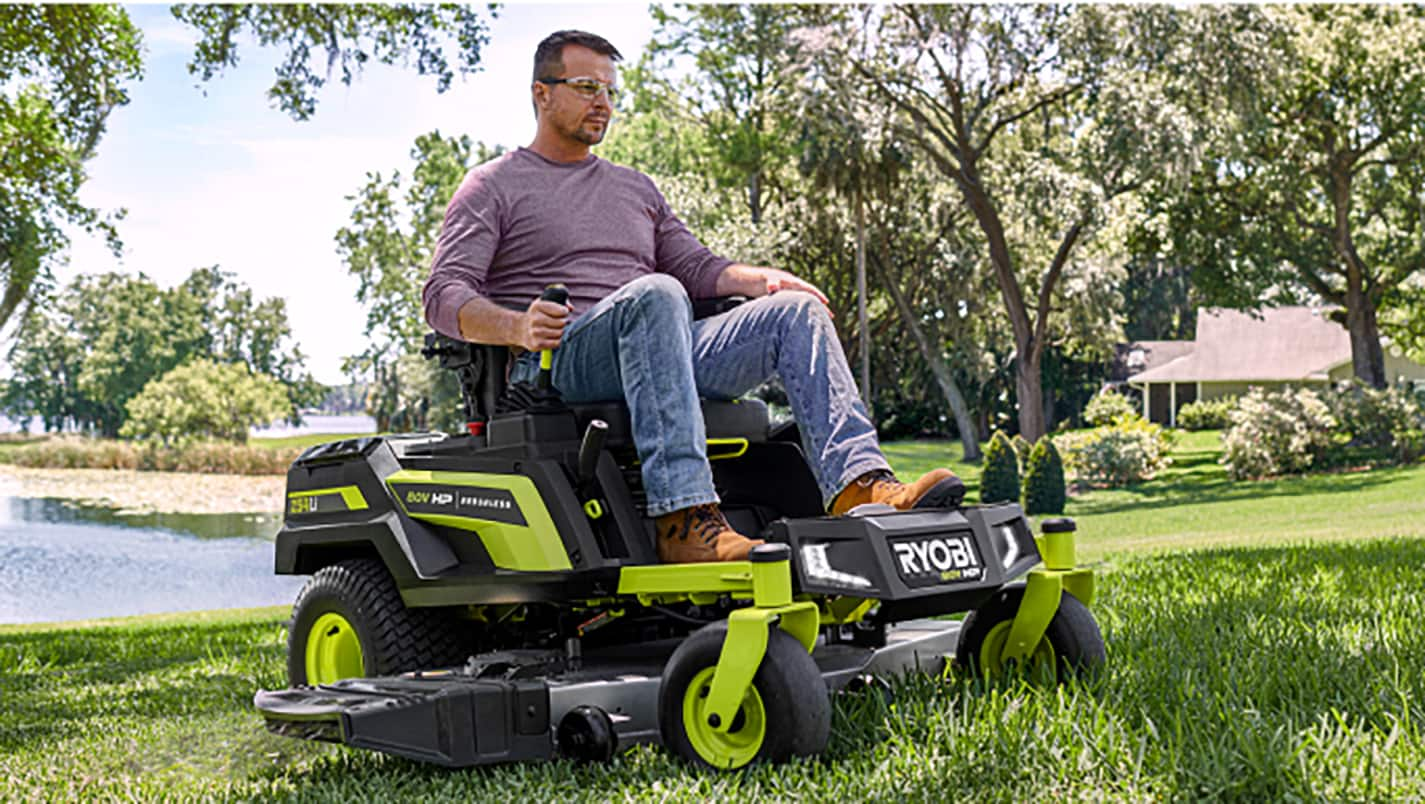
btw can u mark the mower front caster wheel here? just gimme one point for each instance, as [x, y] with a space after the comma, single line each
[785, 713]
[1072, 644]
[349, 621]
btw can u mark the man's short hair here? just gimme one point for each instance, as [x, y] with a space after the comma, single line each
[549, 56]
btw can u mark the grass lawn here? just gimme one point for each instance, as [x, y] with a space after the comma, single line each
[1254, 666]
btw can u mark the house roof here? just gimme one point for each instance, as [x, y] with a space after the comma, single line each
[1140, 356]
[1272, 345]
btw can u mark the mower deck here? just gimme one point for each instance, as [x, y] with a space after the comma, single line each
[535, 705]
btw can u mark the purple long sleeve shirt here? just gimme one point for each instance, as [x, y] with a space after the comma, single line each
[521, 222]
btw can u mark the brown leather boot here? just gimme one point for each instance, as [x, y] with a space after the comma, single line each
[700, 533]
[938, 488]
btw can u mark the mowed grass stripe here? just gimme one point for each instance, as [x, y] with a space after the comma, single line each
[1249, 673]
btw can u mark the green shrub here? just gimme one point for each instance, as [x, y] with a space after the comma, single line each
[1106, 407]
[1022, 448]
[1207, 414]
[1044, 480]
[203, 400]
[1277, 433]
[1389, 420]
[1126, 451]
[1000, 480]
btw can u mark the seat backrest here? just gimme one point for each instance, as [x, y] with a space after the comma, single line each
[483, 371]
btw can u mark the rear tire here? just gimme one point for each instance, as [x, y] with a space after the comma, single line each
[350, 616]
[1072, 644]
[786, 712]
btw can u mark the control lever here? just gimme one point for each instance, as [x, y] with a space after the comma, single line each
[593, 444]
[558, 294]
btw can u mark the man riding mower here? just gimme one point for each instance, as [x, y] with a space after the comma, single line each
[496, 596]
[574, 574]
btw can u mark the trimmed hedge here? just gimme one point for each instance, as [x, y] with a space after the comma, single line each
[999, 482]
[1044, 480]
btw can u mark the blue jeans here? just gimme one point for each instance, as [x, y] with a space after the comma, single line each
[641, 344]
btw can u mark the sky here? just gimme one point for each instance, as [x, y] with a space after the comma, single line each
[217, 176]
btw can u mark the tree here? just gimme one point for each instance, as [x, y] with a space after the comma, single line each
[388, 246]
[236, 328]
[348, 36]
[204, 399]
[63, 69]
[82, 356]
[739, 89]
[1043, 118]
[1316, 184]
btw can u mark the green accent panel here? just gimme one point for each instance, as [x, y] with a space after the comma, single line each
[351, 495]
[736, 448]
[725, 749]
[729, 577]
[529, 548]
[1036, 610]
[593, 510]
[1058, 550]
[333, 650]
[1080, 584]
[744, 648]
[546, 359]
[771, 583]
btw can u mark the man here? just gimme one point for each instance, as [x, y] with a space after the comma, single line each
[554, 212]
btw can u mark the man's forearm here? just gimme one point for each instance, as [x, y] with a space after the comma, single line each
[483, 321]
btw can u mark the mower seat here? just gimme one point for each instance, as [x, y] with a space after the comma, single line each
[484, 369]
[746, 419]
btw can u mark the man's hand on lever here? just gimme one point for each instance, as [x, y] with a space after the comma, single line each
[542, 325]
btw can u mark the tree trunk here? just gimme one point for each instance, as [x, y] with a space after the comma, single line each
[861, 316]
[1367, 357]
[964, 419]
[1029, 386]
[754, 197]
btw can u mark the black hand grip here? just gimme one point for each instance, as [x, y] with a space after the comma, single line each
[589, 449]
[559, 295]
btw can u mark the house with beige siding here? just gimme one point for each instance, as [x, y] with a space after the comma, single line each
[1235, 351]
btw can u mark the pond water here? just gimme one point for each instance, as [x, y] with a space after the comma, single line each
[62, 561]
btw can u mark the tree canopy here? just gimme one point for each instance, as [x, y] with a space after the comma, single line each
[63, 69]
[1315, 185]
[318, 38]
[79, 358]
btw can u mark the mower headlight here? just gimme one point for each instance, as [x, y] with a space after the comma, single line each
[1007, 542]
[817, 567]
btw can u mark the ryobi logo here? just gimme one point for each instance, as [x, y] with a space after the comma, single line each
[950, 557]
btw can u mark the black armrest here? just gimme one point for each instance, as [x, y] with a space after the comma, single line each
[707, 308]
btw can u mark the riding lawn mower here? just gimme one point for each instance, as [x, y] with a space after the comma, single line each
[495, 596]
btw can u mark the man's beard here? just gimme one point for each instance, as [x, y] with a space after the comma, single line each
[584, 135]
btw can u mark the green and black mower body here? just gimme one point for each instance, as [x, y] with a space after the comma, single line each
[496, 596]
